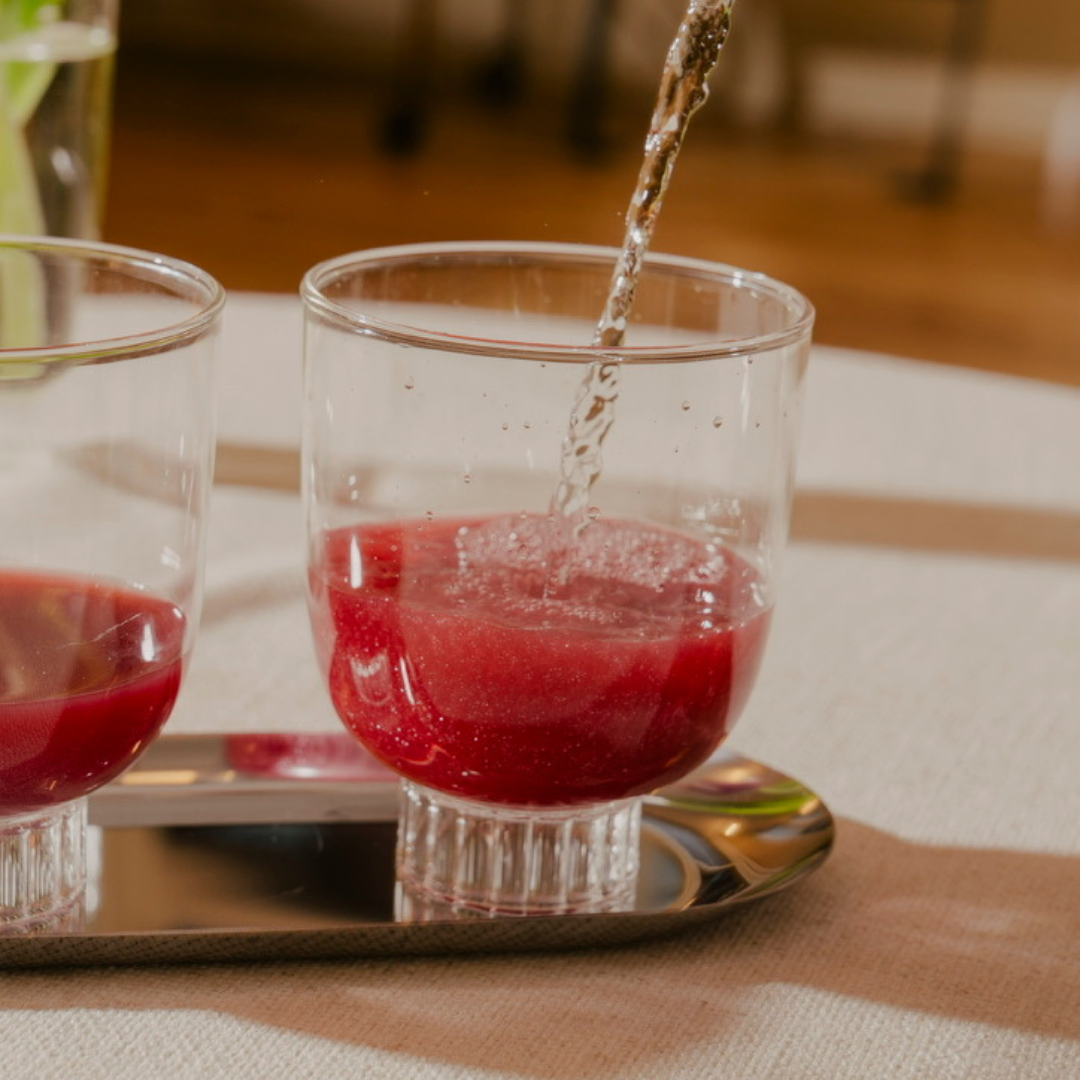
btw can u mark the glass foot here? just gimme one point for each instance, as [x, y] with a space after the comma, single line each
[43, 869]
[456, 857]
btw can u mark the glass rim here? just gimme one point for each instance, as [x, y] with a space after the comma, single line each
[163, 269]
[321, 274]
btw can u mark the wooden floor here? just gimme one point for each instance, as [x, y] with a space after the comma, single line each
[257, 176]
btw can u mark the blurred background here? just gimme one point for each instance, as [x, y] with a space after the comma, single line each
[912, 165]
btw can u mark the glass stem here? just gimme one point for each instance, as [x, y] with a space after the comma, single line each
[42, 868]
[458, 857]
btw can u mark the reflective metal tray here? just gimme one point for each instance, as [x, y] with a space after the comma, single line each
[273, 847]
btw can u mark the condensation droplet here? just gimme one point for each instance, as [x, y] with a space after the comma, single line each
[686, 406]
[505, 426]
[717, 421]
[410, 383]
[592, 513]
[527, 425]
[467, 477]
[429, 514]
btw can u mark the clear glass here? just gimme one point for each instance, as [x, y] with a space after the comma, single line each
[106, 452]
[56, 76]
[530, 672]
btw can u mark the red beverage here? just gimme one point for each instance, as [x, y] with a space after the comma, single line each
[88, 675]
[449, 658]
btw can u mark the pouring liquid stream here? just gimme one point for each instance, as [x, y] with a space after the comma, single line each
[683, 89]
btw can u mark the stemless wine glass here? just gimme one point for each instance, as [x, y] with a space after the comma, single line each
[106, 450]
[530, 652]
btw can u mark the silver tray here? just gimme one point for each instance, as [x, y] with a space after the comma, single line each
[277, 847]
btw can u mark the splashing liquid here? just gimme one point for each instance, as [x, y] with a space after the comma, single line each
[683, 89]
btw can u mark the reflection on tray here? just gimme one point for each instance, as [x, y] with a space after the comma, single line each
[286, 875]
[265, 847]
[283, 876]
[303, 757]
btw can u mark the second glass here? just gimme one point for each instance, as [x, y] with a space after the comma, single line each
[106, 455]
[533, 647]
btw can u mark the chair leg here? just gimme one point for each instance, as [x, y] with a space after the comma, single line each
[501, 81]
[587, 98]
[940, 175]
[404, 123]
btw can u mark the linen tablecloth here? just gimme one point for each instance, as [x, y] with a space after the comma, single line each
[923, 675]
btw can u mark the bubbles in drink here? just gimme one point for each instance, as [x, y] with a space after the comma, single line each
[623, 573]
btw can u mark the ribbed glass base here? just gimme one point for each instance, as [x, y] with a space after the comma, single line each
[43, 869]
[456, 857]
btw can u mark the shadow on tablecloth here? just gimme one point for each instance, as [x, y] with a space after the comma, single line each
[985, 936]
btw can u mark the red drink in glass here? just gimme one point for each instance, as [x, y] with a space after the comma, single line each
[106, 464]
[531, 675]
[452, 656]
[88, 674]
